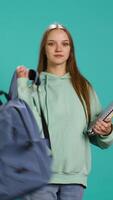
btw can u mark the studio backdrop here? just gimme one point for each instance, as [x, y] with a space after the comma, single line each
[22, 23]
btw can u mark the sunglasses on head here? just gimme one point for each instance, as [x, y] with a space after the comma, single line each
[53, 26]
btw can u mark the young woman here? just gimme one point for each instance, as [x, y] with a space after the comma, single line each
[69, 104]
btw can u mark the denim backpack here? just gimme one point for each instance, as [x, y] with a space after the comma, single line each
[25, 162]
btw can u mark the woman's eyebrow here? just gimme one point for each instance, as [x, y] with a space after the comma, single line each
[62, 40]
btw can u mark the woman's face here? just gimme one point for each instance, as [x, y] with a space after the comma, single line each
[57, 47]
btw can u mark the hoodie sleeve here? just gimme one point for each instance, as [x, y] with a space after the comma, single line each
[28, 93]
[98, 140]
[24, 91]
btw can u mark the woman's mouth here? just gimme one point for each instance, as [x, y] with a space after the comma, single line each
[58, 55]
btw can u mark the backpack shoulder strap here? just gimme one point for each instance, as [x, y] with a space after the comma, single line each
[2, 93]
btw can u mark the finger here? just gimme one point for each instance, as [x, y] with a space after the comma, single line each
[103, 123]
[21, 68]
[108, 120]
[97, 131]
[107, 125]
[100, 128]
[97, 126]
[22, 71]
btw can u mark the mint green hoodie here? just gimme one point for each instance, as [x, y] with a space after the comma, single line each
[66, 121]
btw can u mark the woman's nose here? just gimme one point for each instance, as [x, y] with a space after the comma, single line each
[58, 47]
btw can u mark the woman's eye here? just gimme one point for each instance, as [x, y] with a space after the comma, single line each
[66, 44]
[50, 44]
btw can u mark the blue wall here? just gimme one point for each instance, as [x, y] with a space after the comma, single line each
[90, 22]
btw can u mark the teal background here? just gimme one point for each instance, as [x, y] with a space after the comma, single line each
[22, 23]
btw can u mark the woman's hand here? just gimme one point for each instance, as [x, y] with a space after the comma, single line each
[22, 72]
[103, 127]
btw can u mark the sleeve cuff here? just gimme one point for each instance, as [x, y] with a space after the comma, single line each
[107, 137]
[22, 82]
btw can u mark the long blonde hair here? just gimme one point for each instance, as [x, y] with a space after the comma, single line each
[79, 82]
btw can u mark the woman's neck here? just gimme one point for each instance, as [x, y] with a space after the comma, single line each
[57, 70]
